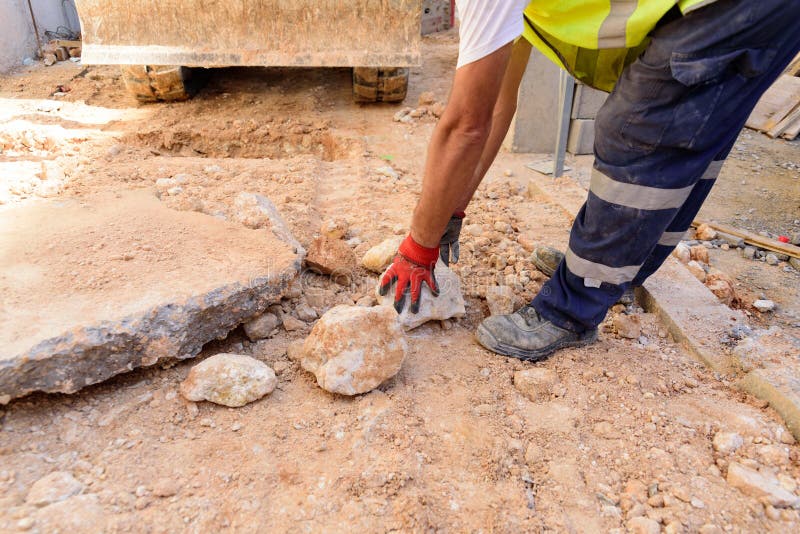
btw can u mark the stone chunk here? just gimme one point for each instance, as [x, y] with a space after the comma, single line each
[352, 349]
[722, 286]
[683, 253]
[334, 228]
[55, 487]
[643, 525]
[166, 487]
[378, 258]
[627, 326]
[262, 326]
[449, 303]
[705, 233]
[332, 257]
[81, 514]
[760, 485]
[764, 305]
[229, 379]
[699, 253]
[696, 269]
[501, 300]
[537, 384]
[727, 442]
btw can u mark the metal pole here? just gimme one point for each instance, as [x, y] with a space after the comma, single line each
[35, 29]
[566, 90]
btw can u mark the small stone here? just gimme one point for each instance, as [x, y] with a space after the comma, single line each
[772, 512]
[332, 257]
[749, 253]
[501, 300]
[727, 442]
[683, 253]
[166, 487]
[722, 286]
[378, 258]
[697, 503]
[334, 228]
[627, 326]
[305, 313]
[699, 253]
[697, 270]
[25, 523]
[55, 487]
[772, 259]
[705, 233]
[437, 109]
[449, 303]
[49, 59]
[764, 305]
[760, 485]
[319, 298]
[262, 326]
[536, 384]
[708, 528]
[426, 98]
[229, 379]
[352, 350]
[643, 525]
[290, 324]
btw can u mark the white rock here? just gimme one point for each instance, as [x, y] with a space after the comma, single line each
[55, 487]
[727, 442]
[353, 349]
[764, 305]
[683, 253]
[536, 383]
[229, 379]
[262, 326]
[643, 525]
[449, 303]
[760, 485]
[705, 233]
[378, 258]
[76, 515]
[501, 300]
[697, 270]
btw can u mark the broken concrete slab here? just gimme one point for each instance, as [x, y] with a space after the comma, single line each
[98, 286]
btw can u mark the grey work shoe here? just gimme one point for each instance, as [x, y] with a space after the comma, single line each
[546, 259]
[526, 335]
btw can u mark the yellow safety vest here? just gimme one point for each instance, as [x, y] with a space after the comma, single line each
[596, 39]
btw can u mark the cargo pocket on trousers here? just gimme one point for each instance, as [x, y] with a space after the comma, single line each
[708, 77]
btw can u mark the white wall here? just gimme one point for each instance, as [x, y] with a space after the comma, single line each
[17, 39]
[16, 33]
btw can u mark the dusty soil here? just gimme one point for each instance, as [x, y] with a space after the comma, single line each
[448, 445]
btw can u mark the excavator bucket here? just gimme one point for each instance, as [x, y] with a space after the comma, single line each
[203, 33]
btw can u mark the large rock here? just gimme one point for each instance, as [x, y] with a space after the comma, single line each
[353, 349]
[332, 257]
[76, 515]
[762, 486]
[229, 379]
[100, 286]
[378, 258]
[449, 303]
[55, 487]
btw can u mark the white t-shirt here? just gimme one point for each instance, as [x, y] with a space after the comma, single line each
[487, 25]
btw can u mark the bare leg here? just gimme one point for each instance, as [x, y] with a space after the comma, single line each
[504, 111]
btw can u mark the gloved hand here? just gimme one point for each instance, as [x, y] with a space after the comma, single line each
[412, 266]
[449, 248]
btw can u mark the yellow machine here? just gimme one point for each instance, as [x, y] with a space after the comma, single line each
[159, 42]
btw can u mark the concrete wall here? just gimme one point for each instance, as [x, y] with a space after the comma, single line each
[17, 40]
[16, 34]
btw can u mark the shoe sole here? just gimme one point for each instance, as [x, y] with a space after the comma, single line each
[488, 341]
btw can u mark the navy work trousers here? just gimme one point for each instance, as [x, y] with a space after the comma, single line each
[661, 139]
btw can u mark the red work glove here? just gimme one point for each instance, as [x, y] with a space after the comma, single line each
[413, 265]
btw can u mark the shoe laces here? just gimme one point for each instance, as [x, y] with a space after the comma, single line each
[530, 314]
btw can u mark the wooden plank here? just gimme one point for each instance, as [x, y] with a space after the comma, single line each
[792, 131]
[67, 44]
[784, 125]
[777, 102]
[754, 239]
[794, 67]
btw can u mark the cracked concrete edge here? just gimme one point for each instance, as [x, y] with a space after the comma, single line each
[776, 389]
[667, 293]
[89, 355]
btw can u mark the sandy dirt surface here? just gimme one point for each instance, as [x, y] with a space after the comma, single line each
[623, 440]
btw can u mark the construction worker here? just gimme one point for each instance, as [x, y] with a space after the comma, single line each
[684, 76]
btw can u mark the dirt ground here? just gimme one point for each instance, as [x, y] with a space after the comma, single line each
[449, 444]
